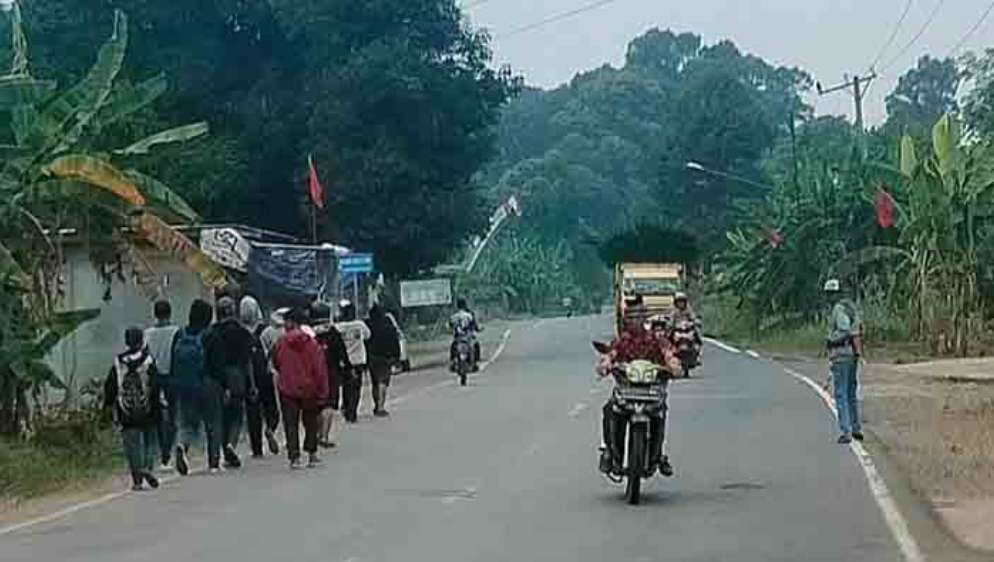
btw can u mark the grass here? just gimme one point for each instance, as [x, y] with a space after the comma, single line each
[35, 468]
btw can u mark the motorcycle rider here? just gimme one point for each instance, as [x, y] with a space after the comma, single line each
[636, 343]
[684, 312]
[464, 327]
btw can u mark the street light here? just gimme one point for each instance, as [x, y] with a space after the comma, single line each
[698, 167]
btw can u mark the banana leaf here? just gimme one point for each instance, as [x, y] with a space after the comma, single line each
[162, 196]
[127, 99]
[167, 239]
[176, 134]
[11, 272]
[909, 160]
[23, 90]
[98, 173]
[63, 120]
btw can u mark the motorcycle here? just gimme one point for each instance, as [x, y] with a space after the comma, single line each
[684, 338]
[639, 397]
[464, 360]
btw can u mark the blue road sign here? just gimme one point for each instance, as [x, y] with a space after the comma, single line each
[355, 263]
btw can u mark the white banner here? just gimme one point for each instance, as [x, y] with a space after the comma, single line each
[227, 247]
[433, 292]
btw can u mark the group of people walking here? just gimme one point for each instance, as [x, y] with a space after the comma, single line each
[176, 387]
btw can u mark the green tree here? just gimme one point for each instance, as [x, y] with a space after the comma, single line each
[922, 96]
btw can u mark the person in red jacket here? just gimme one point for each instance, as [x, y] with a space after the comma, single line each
[303, 387]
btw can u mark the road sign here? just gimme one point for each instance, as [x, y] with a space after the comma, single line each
[432, 292]
[355, 263]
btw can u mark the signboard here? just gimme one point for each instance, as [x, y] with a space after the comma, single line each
[432, 292]
[355, 263]
[227, 247]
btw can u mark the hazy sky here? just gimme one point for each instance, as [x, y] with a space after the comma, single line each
[828, 38]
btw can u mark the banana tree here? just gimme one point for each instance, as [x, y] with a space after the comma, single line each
[56, 177]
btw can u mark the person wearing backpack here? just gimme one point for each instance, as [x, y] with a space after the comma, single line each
[159, 339]
[132, 391]
[261, 412]
[198, 401]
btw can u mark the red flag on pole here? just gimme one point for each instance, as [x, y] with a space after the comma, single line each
[884, 205]
[314, 188]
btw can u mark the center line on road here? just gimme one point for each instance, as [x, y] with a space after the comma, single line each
[722, 345]
[881, 493]
[752, 354]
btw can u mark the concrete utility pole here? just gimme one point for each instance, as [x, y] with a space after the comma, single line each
[857, 83]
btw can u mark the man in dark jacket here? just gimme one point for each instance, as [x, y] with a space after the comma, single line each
[337, 364]
[132, 390]
[229, 348]
[384, 351]
[303, 387]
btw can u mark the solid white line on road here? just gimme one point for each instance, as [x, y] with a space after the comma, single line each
[752, 354]
[500, 349]
[577, 409]
[881, 493]
[722, 345]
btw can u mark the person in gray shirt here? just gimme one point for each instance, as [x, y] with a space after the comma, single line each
[159, 340]
[844, 344]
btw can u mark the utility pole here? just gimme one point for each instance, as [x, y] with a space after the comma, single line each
[858, 84]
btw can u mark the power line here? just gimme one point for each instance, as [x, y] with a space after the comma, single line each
[893, 34]
[558, 17]
[973, 30]
[924, 28]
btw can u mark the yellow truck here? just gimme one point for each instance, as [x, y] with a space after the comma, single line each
[645, 288]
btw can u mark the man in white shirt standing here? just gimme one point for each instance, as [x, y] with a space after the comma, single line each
[355, 333]
[159, 339]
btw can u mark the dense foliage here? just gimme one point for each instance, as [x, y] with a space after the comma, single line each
[395, 99]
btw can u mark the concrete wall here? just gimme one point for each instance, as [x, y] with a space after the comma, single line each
[88, 353]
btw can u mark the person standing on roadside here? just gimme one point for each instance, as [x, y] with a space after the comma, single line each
[303, 387]
[337, 365]
[159, 339]
[384, 351]
[261, 413]
[844, 350]
[229, 368]
[132, 390]
[355, 332]
[196, 394]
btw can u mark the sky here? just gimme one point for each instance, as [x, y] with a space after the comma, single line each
[828, 38]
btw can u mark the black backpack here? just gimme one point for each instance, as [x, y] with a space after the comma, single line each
[133, 384]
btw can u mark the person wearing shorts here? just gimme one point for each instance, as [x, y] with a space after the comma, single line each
[384, 352]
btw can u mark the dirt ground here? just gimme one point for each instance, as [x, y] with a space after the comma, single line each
[937, 421]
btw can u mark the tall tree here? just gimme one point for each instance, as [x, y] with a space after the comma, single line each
[923, 94]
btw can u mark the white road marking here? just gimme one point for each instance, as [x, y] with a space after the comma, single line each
[881, 493]
[500, 349]
[577, 409]
[722, 345]
[752, 354]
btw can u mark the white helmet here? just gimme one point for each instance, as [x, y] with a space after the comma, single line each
[833, 286]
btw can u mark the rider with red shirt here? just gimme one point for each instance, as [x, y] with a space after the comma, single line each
[636, 343]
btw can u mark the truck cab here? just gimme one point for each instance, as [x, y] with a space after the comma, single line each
[646, 288]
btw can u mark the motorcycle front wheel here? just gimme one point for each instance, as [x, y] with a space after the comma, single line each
[637, 440]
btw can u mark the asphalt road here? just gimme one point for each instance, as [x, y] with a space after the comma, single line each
[505, 469]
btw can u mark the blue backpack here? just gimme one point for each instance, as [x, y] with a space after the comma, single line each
[189, 359]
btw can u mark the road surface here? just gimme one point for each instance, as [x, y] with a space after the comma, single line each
[506, 470]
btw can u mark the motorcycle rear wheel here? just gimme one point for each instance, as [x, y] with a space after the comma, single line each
[637, 440]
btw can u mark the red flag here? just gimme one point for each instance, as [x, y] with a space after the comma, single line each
[884, 205]
[314, 188]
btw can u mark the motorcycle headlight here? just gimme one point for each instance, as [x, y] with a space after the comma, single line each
[642, 372]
